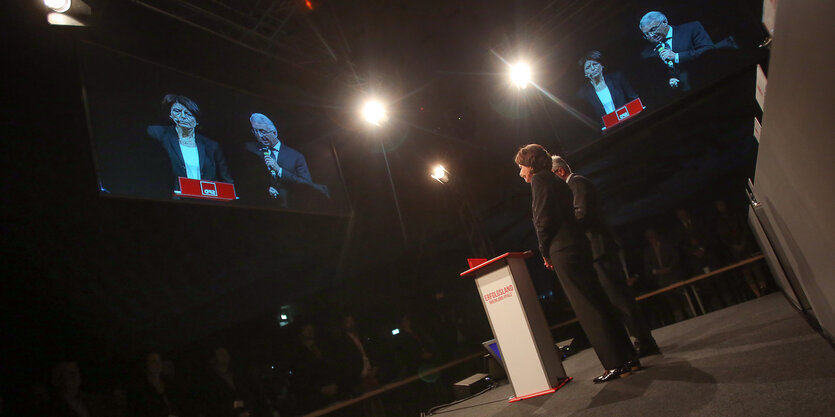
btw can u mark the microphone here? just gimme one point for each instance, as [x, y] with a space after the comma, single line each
[266, 152]
[661, 47]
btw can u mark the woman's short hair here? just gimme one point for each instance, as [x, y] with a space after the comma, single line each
[590, 56]
[534, 156]
[188, 103]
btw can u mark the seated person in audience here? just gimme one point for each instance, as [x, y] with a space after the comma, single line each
[415, 349]
[224, 392]
[315, 382]
[69, 400]
[354, 353]
[154, 395]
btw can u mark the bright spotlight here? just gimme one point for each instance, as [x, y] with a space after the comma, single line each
[68, 12]
[58, 6]
[520, 74]
[439, 173]
[374, 112]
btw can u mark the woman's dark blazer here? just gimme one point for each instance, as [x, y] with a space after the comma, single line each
[619, 87]
[212, 162]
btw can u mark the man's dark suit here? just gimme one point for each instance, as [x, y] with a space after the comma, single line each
[212, 162]
[606, 254]
[293, 171]
[690, 40]
[562, 242]
[619, 88]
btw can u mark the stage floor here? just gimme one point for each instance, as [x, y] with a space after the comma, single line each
[759, 358]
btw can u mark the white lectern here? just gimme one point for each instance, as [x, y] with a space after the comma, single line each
[531, 359]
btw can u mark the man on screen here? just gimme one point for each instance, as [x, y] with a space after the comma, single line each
[677, 46]
[284, 165]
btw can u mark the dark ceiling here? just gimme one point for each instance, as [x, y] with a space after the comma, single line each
[128, 274]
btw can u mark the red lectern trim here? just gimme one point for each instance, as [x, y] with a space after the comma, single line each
[537, 394]
[523, 255]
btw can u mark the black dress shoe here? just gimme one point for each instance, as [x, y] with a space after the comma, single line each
[613, 374]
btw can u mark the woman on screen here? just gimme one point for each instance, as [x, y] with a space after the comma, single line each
[603, 93]
[192, 154]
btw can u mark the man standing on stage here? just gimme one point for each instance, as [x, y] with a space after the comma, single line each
[284, 165]
[606, 253]
[675, 46]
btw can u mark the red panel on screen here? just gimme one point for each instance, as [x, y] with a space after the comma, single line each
[209, 190]
[624, 113]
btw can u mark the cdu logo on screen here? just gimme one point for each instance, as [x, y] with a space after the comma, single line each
[208, 188]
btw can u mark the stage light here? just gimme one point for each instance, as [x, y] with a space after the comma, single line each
[58, 6]
[439, 173]
[68, 12]
[374, 112]
[520, 74]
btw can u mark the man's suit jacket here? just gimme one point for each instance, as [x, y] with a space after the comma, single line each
[669, 259]
[293, 170]
[690, 40]
[553, 214]
[212, 162]
[588, 215]
[619, 88]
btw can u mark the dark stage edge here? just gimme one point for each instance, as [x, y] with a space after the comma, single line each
[759, 358]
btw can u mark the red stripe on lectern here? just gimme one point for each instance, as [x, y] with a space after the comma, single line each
[537, 394]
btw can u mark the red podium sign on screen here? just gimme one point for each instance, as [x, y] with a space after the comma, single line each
[624, 113]
[207, 190]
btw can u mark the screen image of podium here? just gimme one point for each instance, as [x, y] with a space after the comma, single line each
[527, 348]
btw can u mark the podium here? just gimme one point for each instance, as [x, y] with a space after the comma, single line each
[531, 359]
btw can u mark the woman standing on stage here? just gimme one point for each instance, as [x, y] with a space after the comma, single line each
[565, 250]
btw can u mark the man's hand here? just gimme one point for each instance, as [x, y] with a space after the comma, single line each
[271, 164]
[273, 192]
[667, 55]
[548, 263]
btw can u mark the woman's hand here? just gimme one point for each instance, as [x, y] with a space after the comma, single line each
[547, 263]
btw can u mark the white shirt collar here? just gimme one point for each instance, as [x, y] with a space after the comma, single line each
[669, 37]
[568, 178]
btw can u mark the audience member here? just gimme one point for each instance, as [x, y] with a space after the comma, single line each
[661, 262]
[692, 238]
[354, 352]
[224, 392]
[415, 349]
[315, 383]
[69, 400]
[154, 395]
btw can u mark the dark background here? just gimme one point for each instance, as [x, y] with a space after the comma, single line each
[104, 279]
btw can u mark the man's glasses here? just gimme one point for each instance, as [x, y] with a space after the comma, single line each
[263, 132]
[648, 33]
